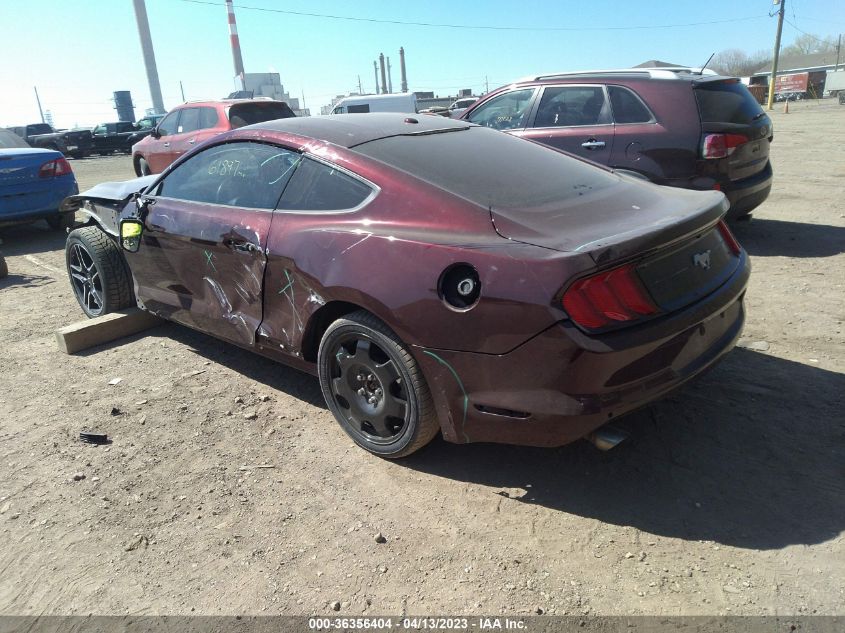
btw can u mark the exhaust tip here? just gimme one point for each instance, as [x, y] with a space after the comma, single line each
[607, 437]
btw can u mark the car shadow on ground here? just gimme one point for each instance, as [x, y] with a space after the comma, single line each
[751, 455]
[767, 238]
[27, 239]
[249, 364]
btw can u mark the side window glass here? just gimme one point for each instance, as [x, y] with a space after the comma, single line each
[358, 109]
[506, 111]
[208, 118]
[628, 107]
[240, 174]
[167, 126]
[189, 121]
[318, 187]
[566, 106]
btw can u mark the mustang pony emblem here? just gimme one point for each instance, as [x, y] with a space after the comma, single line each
[702, 260]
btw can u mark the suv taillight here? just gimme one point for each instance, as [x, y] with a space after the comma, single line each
[609, 297]
[53, 168]
[721, 145]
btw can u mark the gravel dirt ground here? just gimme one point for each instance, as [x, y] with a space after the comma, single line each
[229, 489]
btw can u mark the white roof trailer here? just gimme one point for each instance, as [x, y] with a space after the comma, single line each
[404, 102]
[835, 81]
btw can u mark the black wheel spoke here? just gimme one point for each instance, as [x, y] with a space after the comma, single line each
[379, 424]
[387, 373]
[341, 388]
[394, 408]
[362, 351]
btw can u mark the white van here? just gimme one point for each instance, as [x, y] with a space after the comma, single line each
[403, 102]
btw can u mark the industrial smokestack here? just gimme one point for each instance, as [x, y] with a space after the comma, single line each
[236, 44]
[383, 74]
[149, 55]
[402, 69]
[389, 77]
[375, 71]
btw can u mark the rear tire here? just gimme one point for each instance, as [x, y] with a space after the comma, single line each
[374, 387]
[61, 222]
[98, 273]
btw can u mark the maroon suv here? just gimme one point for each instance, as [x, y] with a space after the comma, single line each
[673, 127]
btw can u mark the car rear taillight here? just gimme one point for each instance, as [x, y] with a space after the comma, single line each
[729, 238]
[721, 145]
[54, 168]
[613, 296]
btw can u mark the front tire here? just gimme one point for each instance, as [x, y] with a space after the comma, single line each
[142, 168]
[98, 274]
[374, 387]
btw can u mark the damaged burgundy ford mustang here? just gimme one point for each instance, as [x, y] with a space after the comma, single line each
[435, 275]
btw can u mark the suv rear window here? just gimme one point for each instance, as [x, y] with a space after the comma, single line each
[242, 114]
[726, 102]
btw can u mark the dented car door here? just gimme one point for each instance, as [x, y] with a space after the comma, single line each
[202, 258]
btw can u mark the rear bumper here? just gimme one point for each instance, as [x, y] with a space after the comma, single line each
[745, 195]
[28, 206]
[563, 384]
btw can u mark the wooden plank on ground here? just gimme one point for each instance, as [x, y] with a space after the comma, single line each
[84, 334]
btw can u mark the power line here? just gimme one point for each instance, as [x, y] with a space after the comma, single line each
[818, 39]
[476, 26]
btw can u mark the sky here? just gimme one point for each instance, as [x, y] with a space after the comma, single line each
[78, 53]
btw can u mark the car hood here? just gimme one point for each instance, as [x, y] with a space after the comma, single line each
[105, 202]
[109, 192]
[610, 223]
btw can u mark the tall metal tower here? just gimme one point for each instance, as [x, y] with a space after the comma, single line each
[149, 55]
[236, 44]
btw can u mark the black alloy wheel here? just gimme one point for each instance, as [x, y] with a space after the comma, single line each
[374, 387]
[98, 274]
[86, 280]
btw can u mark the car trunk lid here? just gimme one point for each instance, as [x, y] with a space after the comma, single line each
[20, 166]
[672, 236]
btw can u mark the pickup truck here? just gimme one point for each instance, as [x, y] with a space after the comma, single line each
[75, 143]
[119, 136]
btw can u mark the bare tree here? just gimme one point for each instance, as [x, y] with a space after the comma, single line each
[738, 63]
[807, 43]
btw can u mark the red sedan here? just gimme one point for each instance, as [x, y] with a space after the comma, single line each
[438, 277]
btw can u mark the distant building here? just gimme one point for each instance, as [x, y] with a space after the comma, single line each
[816, 65]
[270, 85]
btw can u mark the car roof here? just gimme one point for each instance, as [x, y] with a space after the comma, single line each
[349, 130]
[668, 72]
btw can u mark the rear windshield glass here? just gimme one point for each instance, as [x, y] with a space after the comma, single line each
[489, 168]
[9, 140]
[248, 113]
[726, 102]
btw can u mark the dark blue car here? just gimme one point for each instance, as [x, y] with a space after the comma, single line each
[33, 183]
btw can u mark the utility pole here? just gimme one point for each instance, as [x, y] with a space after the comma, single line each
[182, 89]
[37, 99]
[838, 48]
[389, 77]
[776, 55]
[486, 85]
[360, 89]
